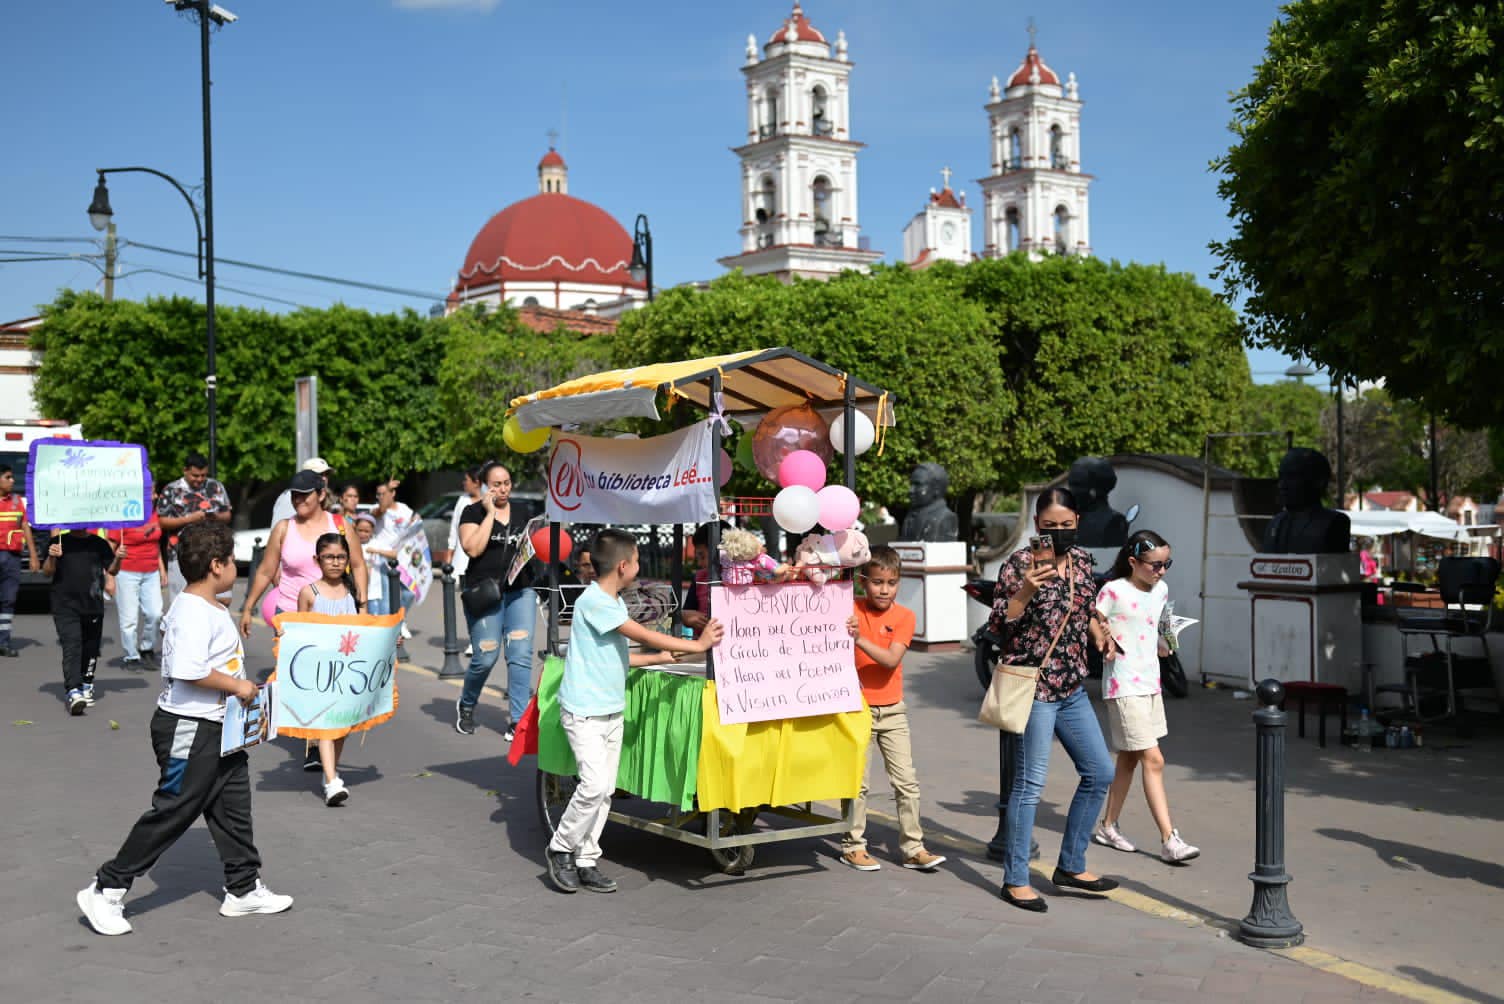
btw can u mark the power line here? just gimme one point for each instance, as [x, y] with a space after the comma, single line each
[217, 285]
[313, 276]
[49, 240]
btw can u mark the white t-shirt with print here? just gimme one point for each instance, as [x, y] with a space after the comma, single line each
[1133, 618]
[390, 526]
[198, 636]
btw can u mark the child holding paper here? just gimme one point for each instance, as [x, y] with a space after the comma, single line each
[593, 696]
[882, 629]
[203, 664]
[76, 563]
[333, 593]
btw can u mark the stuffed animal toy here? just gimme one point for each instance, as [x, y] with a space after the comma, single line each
[820, 555]
[745, 560]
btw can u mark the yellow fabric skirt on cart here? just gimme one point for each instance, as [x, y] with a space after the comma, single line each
[783, 762]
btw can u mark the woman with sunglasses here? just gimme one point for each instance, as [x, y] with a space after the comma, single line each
[1130, 607]
[1043, 610]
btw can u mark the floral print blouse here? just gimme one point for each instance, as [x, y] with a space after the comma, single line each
[1026, 639]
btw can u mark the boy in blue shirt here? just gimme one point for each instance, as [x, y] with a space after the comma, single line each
[593, 696]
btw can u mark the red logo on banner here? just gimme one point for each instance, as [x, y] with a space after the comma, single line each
[566, 479]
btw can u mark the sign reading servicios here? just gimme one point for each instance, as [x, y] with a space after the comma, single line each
[75, 484]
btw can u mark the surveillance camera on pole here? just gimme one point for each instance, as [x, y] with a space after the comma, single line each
[212, 11]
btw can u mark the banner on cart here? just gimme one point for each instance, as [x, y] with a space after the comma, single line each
[77, 484]
[786, 652]
[335, 674]
[665, 479]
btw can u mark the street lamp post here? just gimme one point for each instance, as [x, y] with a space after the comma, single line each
[641, 267]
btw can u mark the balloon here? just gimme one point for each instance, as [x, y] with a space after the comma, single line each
[839, 507]
[523, 442]
[796, 509]
[802, 468]
[726, 468]
[784, 430]
[866, 435]
[540, 540]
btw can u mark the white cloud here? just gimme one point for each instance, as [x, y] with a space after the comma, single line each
[479, 6]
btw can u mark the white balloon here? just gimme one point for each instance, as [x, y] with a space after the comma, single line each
[866, 435]
[796, 508]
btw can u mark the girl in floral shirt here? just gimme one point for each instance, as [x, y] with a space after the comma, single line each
[1034, 602]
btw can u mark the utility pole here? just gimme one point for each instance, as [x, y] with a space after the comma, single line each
[109, 263]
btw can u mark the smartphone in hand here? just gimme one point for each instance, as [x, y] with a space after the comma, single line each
[1042, 550]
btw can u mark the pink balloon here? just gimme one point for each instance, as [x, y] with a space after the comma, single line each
[839, 507]
[725, 468]
[784, 430]
[802, 468]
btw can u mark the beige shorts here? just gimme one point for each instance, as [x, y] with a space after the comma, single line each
[1135, 723]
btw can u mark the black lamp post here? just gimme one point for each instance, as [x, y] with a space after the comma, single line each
[641, 267]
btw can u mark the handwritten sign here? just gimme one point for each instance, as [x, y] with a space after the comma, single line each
[335, 675]
[76, 484]
[786, 652]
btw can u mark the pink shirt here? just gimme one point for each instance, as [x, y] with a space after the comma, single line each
[299, 564]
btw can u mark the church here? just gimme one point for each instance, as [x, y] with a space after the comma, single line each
[560, 259]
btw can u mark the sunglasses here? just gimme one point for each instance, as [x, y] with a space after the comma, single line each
[1156, 566]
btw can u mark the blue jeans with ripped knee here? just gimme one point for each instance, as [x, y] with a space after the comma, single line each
[509, 627]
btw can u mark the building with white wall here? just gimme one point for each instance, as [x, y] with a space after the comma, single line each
[941, 231]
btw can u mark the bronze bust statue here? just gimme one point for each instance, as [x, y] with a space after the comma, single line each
[1304, 525]
[929, 518]
[1090, 479]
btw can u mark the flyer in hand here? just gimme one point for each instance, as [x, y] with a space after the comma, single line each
[248, 725]
[525, 549]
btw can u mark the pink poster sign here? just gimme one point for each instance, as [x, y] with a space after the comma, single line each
[786, 652]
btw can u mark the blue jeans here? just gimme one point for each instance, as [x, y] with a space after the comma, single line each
[1074, 722]
[380, 606]
[509, 626]
[138, 599]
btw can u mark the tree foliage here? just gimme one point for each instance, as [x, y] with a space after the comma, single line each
[492, 358]
[1387, 444]
[1366, 190]
[1287, 407]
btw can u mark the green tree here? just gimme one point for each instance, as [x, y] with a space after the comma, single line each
[1298, 409]
[903, 331]
[1104, 358]
[133, 371]
[491, 358]
[1366, 190]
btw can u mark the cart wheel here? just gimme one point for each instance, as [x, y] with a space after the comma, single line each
[734, 860]
[554, 791]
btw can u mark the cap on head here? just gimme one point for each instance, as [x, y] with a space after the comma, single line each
[306, 481]
[317, 465]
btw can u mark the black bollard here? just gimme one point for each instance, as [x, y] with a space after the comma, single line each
[1007, 767]
[394, 602]
[452, 665]
[1269, 923]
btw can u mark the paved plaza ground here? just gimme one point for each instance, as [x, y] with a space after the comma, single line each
[428, 885]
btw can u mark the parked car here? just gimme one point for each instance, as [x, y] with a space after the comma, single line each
[246, 541]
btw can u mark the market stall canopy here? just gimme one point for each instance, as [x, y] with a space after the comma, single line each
[1381, 523]
[752, 384]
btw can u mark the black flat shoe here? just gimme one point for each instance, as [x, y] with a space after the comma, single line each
[1066, 880]
[1035, 905]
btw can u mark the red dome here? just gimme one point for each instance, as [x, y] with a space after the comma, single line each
[803, 30]
[1026, 68]
[550, 237]
[551, 159]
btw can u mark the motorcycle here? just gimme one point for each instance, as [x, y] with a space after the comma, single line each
[987, 646]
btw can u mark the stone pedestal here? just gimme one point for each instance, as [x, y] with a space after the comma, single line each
[930, 585]
[1307, 620]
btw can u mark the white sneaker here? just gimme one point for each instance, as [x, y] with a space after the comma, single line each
[469, 651]
[406, 634]
[1108, 835]
[335, 792]
[258, 900]
[104, 909]
[89, 694]
[1176, 850]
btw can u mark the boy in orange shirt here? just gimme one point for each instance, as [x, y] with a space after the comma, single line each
[882, 630]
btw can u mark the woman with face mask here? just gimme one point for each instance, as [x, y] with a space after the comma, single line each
[1044, 609]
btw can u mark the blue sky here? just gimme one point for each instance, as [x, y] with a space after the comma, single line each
[371, 139]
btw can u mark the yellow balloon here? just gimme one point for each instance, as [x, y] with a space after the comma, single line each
[524, 442]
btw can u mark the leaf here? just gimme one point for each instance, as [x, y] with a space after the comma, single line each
[422, 773]
[114, 725]
[22, 721]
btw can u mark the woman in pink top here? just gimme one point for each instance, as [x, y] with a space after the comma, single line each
[289, 559]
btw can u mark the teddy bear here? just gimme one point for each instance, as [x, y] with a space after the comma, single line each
[744, 560]
[820, 555]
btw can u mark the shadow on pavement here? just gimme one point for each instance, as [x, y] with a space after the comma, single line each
[1408, 857]
[1446, 983]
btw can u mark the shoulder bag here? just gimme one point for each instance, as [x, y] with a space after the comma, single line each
[1010, 696]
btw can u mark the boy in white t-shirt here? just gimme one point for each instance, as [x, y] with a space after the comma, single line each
[593, 696]
[203, 665]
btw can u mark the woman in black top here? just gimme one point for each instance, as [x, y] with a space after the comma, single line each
[491, 532]
[1045, 609]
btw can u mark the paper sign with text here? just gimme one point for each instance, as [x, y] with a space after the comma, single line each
[335, 674]
[76, 484]
[786, 652]
[663, 479]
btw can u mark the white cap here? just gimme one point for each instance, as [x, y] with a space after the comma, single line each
[317, 465]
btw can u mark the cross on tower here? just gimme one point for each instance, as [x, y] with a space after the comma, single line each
[1033, 31]
[945, 173]
[553, 138]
